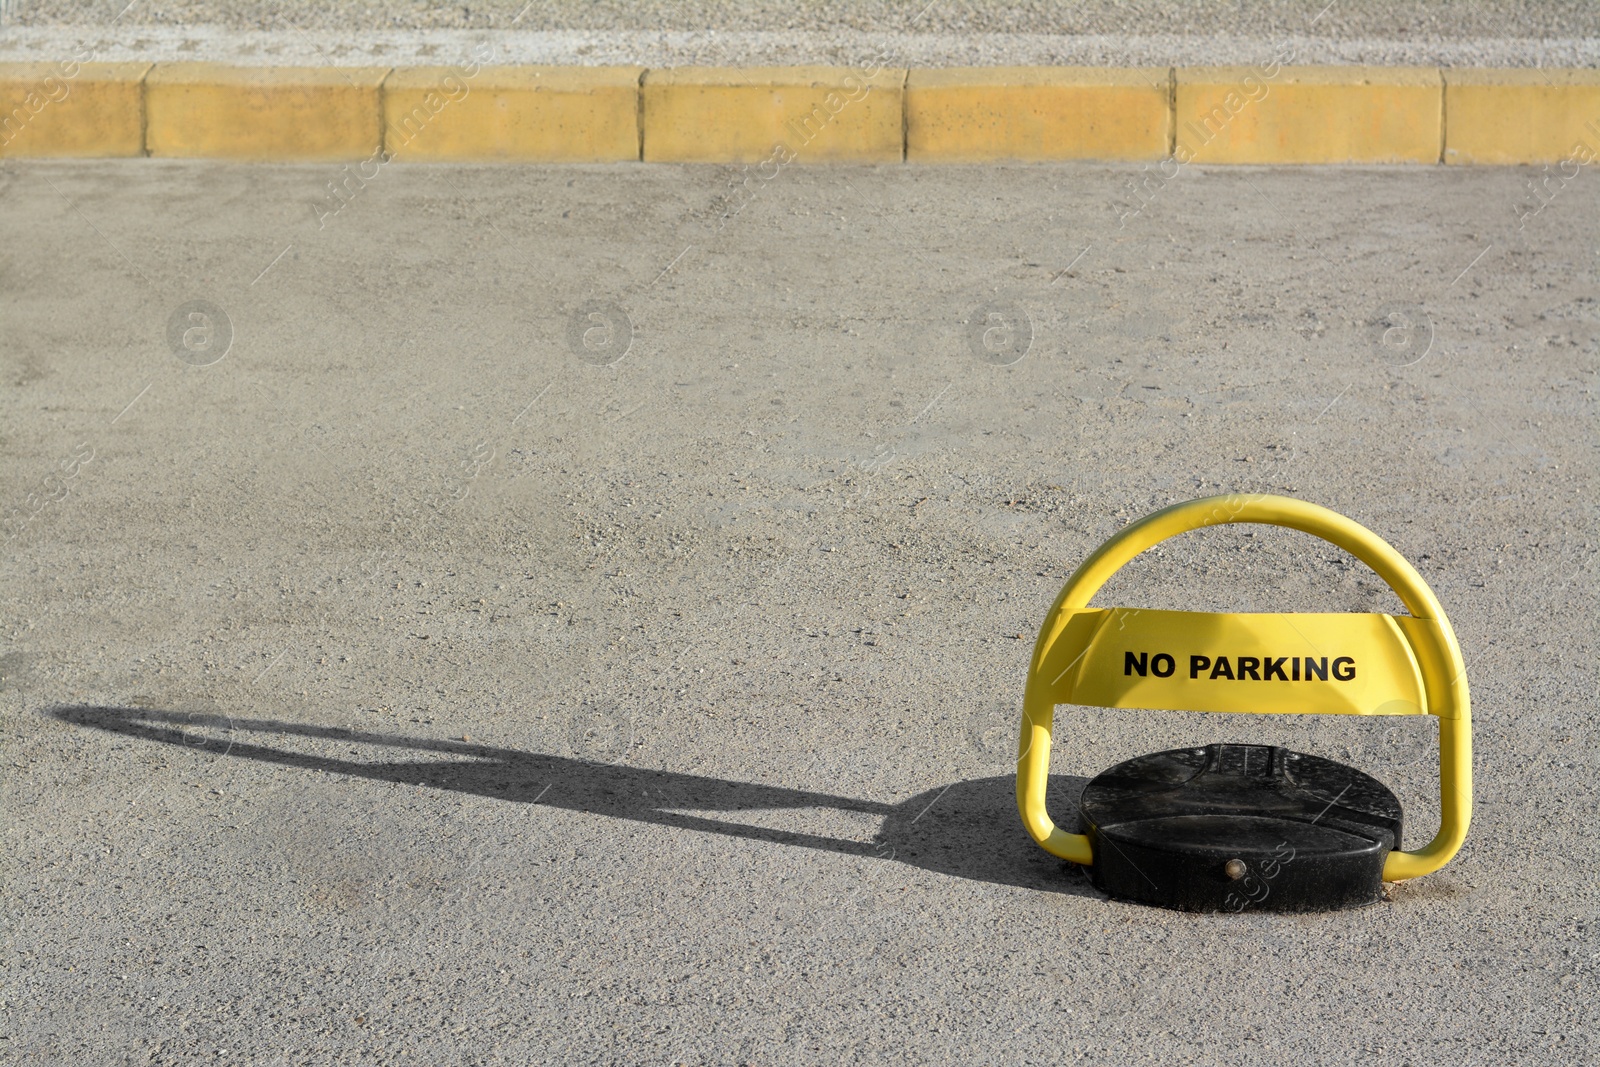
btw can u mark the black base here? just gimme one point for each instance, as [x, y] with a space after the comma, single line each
[1239, 827]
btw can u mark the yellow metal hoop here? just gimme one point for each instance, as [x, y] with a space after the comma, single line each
[1437, 654]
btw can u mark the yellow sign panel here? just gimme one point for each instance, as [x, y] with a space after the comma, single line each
[1326, 664]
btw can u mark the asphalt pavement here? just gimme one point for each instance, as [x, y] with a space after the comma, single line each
[668, 33]
[579, 614]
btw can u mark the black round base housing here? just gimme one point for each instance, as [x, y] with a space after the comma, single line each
[1238, 827]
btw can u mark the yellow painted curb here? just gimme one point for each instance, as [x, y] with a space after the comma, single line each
[1268, 114]
[527, 114]
[1276, 114]
[776, 114]
[72, 109]
[265, 113]
[1521, 116]
[984, 114]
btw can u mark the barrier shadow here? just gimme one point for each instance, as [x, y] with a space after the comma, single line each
[966, 829]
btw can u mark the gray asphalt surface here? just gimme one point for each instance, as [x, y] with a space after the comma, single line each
[1520, 33]
[549, 615]
[1404, 19]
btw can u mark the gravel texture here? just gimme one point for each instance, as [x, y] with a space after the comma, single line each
[995, 32]
[559, 615]
[1427, 19]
